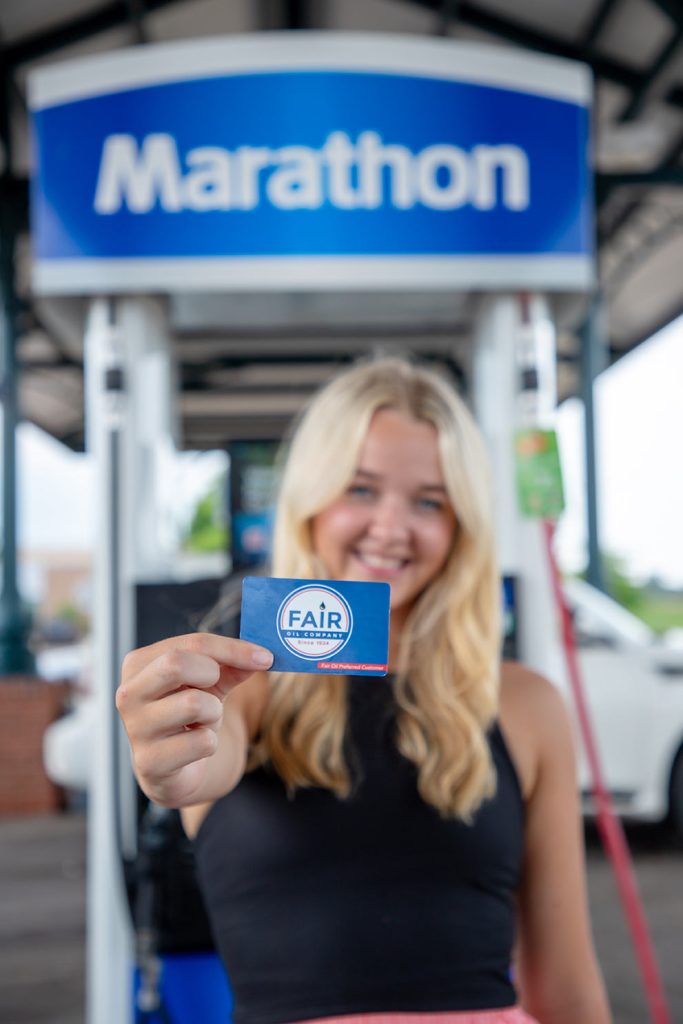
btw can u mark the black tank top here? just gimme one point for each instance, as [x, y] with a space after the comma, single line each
[321, 906]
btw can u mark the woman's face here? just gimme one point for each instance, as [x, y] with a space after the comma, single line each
[395, 522]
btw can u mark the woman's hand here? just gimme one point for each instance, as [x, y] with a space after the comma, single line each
[172, 702]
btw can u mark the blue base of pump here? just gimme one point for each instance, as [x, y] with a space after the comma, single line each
[193, 987]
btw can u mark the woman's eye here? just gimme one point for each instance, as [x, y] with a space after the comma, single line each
[360, 491]
[429, 504]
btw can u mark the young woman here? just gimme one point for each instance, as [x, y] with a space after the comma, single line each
[367, 847]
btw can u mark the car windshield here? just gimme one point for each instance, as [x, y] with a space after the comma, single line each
[598, 612]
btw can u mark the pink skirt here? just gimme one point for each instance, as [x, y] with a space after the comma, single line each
[509, 1015]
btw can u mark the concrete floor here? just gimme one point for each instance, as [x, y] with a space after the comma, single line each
[42, 914]
[42, 920]
[658, 863]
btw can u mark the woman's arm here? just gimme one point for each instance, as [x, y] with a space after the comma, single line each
[242, 713]
[557, 972]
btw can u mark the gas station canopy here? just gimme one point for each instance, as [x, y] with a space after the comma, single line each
[247, 361]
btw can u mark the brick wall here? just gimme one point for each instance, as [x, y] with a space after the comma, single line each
[27, 707]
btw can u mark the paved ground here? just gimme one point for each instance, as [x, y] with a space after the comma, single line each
[42, 920]
[659, 872]
[42, 909]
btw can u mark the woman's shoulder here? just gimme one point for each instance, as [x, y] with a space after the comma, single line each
[521, 685]
[533, 718]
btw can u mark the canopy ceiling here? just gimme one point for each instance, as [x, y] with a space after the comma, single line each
[242, 374]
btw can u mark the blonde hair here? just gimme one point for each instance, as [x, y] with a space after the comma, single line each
[446, 687]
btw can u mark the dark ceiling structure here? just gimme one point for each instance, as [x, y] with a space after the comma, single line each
[241, 373]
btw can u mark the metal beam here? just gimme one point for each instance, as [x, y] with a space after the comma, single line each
[36, 365]
[605, 183]
[137, 9]
[302, 332]
[197, 378]
[637, 256]
[669, 162]
[672, 8]
[522, 35]
[673, 314]
[296, 14]
[112, 15]
[597, 24]
[74, 439]
[674, 97]
[640, 95]
[15, 621]
[593, 362]
[448, 12]
[16, 189]
[673, 153]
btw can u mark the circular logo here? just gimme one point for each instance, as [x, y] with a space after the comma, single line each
[314, 621]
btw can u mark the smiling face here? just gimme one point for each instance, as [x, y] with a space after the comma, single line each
[394, 522]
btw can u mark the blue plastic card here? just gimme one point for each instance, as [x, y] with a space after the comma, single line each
[331, 626]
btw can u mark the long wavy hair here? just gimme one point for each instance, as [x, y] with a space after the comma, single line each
[446, 684]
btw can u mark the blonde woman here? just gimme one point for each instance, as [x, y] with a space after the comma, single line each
[380, 848]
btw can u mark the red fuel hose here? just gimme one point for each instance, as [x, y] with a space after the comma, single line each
[609, 825]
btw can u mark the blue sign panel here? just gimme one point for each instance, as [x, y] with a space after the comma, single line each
[245, 171]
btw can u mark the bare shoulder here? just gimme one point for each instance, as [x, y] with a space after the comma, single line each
[527, 691]
[534, 720]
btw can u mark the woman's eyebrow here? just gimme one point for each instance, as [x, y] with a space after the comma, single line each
[420, 487]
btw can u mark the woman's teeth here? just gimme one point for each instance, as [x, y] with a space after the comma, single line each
[377, 562]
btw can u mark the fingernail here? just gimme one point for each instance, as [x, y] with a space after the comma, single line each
[264, 659]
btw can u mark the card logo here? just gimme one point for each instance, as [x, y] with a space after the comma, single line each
[314, 621]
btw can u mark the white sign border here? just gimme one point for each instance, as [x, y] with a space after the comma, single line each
[334, 273]
[269, 52]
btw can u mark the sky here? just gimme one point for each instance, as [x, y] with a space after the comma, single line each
[639, 452]
[639, 429]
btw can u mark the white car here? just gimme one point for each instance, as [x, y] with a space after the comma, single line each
[633, 682]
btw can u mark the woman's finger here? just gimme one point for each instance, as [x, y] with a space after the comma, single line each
[190, 665]
[188, 707]
[227, 651]
[158, 761]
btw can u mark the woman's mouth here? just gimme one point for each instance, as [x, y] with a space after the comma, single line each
[381, 564]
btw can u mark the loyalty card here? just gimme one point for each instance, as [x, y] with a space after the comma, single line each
[329, 626]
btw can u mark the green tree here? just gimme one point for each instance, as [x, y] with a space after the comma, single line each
[619, 584]
[208, 530]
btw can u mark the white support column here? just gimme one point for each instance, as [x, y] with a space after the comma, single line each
[493, 400]
[130, 420]
[495, 389]
[109, 933]
[150, 438]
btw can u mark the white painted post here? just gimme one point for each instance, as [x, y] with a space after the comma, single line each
[495, 390]
[109, 932]
[130, 419]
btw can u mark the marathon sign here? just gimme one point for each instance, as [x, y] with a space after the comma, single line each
[347, 176]
[305, 160]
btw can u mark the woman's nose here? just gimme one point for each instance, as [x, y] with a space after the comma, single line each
[389, 520]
